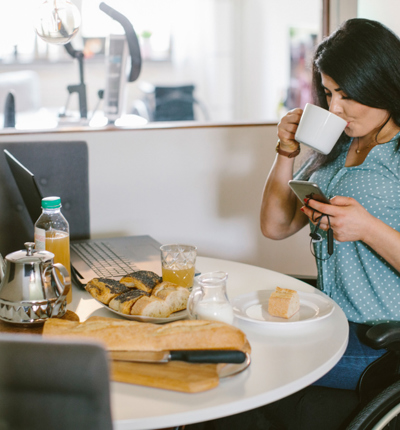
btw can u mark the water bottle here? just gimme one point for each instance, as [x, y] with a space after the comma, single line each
[52, 234]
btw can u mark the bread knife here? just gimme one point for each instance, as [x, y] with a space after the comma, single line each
[190, 356]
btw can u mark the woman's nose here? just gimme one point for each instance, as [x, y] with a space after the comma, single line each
[335, 106]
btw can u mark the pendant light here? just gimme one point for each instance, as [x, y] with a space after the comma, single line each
[57, 21]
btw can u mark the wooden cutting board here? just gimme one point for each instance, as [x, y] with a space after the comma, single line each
[6, 327]
[175, 375]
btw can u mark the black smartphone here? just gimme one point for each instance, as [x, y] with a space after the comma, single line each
[308, 190]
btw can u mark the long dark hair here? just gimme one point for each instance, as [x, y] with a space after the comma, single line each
[363, 57]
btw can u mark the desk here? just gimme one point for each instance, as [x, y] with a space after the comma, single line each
[284, 360]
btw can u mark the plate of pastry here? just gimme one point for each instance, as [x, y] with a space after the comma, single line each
[141, 296]
[282, 306]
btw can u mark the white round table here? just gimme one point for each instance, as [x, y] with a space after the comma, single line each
[285, 358]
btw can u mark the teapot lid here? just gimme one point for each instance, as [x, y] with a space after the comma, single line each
[30, 255]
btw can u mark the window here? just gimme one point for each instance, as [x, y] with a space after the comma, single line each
[245, 58]
[17, 35]
[151, 20]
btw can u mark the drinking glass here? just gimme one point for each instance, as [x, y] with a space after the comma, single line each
[178, 264]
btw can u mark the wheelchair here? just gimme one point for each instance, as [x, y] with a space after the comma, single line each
[378, 393]
[375, 405]
[379, 385]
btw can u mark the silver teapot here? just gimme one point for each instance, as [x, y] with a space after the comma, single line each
[30, 290]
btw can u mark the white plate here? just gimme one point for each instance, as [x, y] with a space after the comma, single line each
[254, 307]
[173, 317]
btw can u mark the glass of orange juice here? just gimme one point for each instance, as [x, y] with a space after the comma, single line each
[178, 264]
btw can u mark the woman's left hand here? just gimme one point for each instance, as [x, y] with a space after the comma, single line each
[348, 218]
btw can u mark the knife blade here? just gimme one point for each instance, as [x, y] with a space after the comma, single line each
[190, 356]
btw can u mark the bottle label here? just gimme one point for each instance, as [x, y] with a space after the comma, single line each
[40, 239]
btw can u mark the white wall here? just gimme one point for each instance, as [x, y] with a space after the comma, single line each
[385, 11]
[196, 185]
[264, 58]
[340, 11]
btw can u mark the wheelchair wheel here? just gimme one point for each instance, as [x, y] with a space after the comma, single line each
[380, 413]
[390, 421]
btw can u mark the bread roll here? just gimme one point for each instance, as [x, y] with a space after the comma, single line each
[142, 279]
[174, 295]
[125, 335]
[283, 303]
[124, 302]
[104, 289]
[151, 307]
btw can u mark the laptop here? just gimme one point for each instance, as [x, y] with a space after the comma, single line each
[92, 258]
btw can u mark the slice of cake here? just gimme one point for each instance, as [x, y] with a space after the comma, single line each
[283, 303]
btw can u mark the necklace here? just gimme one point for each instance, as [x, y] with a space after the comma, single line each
[358, 150]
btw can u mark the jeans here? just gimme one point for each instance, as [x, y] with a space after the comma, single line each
[356, 358]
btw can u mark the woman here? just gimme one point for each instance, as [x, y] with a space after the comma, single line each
[356, 75]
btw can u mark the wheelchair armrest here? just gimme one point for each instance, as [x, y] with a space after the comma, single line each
[384, 336]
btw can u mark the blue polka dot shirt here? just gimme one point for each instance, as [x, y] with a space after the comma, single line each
[361, 282]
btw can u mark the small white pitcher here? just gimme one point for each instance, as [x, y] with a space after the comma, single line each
[208, 299]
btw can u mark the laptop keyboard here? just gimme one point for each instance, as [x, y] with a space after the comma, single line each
[103, 260]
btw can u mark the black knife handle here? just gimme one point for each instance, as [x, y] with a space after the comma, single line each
[209, 356]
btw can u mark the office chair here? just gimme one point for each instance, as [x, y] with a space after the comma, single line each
[61, 169]
[52, 384]
[168, 103]
[174, 103]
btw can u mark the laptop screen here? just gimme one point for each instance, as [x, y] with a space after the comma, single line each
[27, 186]
[111, 257]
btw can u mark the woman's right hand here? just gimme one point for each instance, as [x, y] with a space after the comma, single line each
[280, 216]
[287, 129]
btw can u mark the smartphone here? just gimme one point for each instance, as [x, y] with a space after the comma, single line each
[308, 190]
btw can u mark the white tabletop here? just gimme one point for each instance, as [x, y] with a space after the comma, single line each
[285, 358]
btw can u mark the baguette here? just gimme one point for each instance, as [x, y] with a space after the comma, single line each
[124, 335]
[283, 303]
[140, 293]
[151, 307]
[142, 279]
[124, 302]
[104, 289]
[174, 295]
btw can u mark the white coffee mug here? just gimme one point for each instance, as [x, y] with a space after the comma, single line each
[319, 128]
